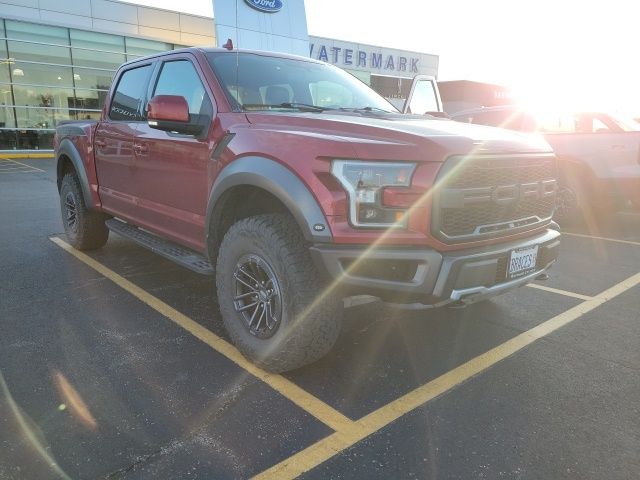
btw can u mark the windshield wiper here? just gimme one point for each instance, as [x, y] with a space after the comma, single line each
[365, 109]
[306, 107]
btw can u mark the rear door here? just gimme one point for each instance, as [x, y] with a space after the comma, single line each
[113, 143]
[424, 96]
[172, 170]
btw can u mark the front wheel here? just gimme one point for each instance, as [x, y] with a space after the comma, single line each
[568, 206]
[85, 229]
[273, 304]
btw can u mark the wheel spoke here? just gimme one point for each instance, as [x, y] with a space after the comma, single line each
[244, 295]
[254, 315]
[249, 276]
[258, 272]
[251, 287]
[262, 314]
[270, 316]
[247, 307]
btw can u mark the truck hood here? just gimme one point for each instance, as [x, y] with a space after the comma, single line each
[383, 136]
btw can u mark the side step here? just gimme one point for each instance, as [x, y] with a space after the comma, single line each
[181, 255]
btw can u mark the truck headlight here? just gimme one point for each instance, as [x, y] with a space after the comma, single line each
[364, 183]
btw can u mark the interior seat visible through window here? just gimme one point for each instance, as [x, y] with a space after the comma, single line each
[275, 95]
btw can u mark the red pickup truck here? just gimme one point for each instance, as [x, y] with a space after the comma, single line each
[296, 185]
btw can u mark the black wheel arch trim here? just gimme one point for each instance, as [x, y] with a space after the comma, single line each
[282, 183]
[69, 150]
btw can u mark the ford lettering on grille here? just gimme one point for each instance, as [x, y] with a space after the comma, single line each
[500, 195]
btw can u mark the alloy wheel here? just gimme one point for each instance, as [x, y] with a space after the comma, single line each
[71, 211]
[257, 296]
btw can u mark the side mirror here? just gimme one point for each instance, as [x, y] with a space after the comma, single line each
[171, 114]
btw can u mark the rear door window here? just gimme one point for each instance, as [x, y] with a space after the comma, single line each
[128, 96]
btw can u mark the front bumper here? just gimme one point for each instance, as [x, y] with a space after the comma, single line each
[405, 275]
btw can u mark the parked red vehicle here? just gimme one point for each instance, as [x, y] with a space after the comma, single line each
[296, 185]
[598, 156]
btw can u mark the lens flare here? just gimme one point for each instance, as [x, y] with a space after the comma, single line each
[73, 401]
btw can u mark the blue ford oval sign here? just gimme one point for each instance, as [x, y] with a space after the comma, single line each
[269, 6]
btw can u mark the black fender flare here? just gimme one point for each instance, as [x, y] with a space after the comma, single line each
[280, 182]
[69, 150]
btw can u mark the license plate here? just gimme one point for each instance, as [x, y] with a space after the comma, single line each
[523, 261]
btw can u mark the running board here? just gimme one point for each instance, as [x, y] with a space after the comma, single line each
[181, 255]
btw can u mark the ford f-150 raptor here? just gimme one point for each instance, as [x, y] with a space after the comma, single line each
[296, 185]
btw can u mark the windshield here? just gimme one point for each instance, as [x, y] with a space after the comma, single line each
[260, 82]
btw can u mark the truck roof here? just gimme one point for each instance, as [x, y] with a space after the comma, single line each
[222, 51]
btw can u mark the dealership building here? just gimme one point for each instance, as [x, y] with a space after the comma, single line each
[58, 57]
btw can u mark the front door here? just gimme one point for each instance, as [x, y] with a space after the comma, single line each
[172, 170]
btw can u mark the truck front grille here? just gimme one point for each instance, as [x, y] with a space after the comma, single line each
[484, 197]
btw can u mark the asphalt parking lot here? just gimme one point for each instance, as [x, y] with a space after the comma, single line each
[114, 365]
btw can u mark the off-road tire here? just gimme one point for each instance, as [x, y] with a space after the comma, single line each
[311, 315]
[87, 231]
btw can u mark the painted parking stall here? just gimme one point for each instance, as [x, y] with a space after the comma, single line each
[139, 342]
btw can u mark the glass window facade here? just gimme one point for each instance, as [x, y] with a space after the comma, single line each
[50, 74]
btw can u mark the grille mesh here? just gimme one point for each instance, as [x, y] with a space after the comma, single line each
[492, 173]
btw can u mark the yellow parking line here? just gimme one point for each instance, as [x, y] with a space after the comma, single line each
[18, 171]
[303, 399]
[14, 169]
[337, 442]
[616, 240]
[23, 164]
[560, 292]
[26, 155]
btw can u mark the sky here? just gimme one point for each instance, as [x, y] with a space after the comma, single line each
[562, 53]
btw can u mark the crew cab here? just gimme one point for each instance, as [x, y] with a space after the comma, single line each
[296, 185]
[598, 156]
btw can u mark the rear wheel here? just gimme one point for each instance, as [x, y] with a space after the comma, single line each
[85, 229]
[272, 301]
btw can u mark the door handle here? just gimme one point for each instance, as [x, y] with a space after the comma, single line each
[100, 143]
[140, 149]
